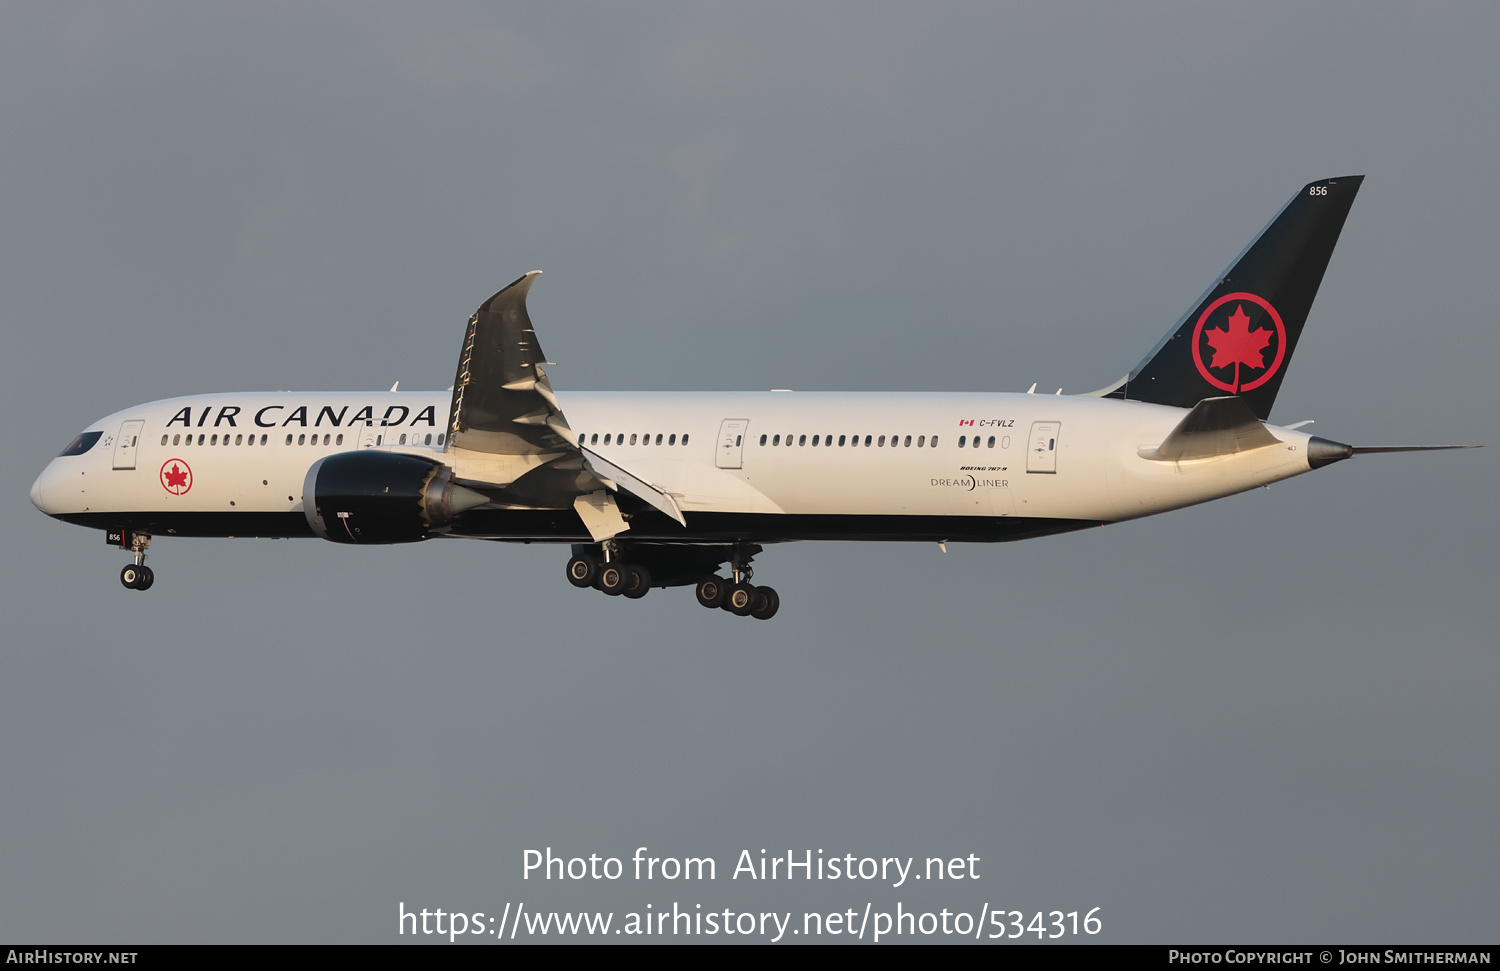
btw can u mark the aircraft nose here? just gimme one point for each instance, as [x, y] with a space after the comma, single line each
[47, 492]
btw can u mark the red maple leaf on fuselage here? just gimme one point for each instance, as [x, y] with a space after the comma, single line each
[1239, 344]
[176, 478]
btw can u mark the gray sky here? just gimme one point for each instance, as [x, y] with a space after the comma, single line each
[1266, 719]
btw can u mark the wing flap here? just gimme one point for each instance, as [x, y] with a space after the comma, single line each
[623, 480]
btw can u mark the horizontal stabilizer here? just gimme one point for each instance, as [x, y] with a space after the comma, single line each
[608, 471]
[1215, 427]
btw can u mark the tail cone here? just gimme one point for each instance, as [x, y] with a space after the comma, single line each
[1322, 451]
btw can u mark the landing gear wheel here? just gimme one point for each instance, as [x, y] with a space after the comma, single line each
[711, 591]
[131, 576]
[767, 602]
[739, 599]
[637, 582]
[147, 578]
[611, 579]
[582, 570]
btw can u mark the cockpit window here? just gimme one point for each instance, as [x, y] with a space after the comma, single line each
[82, 443]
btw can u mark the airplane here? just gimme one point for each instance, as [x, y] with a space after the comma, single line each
[664, 489]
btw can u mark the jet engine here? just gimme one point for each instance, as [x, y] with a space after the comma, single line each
[371, 497]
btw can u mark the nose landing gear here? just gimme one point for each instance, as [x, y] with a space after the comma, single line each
[137, 575]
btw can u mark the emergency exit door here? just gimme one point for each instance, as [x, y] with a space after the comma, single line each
[127, 443]
[1041, 454]
[731, 449]
[365, 436]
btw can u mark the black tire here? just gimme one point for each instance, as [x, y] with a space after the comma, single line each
[767, 602]
[130, 576]
[611, 579]
[739, 599]
[637, 581]
[711, 591]
[147, 578]
[582, 570]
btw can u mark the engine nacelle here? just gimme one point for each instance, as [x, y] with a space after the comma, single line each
[370, 497]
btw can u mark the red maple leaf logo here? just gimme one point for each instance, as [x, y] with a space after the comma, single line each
[1238, 344]
[176, 478]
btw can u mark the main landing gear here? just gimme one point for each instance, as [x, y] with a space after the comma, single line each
[621, 572]
[739, 597]
[137, 575]
[611, 576]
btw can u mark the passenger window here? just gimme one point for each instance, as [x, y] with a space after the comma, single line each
[802, 440]
[921, 439]
[238, 439]
[841, 441]
[289, 439]
[440, 438]
[992, 442]
[867, 441]
[763, 439]
[176, 439]
[961, 440]
[776, 441]
[301, 439]
[164, 439]
[214, 440]
[429, 439]
[658, 438]
[606, 439]
[594, 442]
[340, 439]
[815, 441]
[908, 442]
[632, 439]
[976, 441]
[881, 442]
[673, 440]
[934, 441]
[328, 438]
[684, 439]
[738, 439]
[402, 442]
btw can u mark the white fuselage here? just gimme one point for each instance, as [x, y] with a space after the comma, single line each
[208, 461]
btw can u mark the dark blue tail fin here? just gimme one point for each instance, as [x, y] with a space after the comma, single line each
[1239, 338]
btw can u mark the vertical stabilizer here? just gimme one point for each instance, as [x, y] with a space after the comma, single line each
[1239, 337]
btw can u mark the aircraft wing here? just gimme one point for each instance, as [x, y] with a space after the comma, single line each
[502, 401]
[507, 433]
